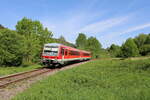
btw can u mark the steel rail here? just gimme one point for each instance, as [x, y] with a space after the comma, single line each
[16, 74]
[10, 79]
[6, 80]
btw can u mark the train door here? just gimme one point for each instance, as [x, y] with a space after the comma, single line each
[66, 54]
[62, 53]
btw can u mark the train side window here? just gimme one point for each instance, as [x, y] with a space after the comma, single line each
[66, 52]
[86, 54]
[76, 53]
[62, 51]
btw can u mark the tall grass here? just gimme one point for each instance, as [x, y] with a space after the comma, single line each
[95, 80]
[12, 70]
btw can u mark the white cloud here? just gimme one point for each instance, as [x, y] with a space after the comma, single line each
[104, 25]
[69, 26]
[137, 28]
[132, 29]
[114, 37]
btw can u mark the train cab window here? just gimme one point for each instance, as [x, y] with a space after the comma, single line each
[50, 51]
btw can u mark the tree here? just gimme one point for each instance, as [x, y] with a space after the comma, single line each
[148, 39]
[35, 36]
[145, 49]
[25, 27]
[81, 41]
[32, 49]
[140, 40]
[61, 38]
[115, 50]
[45, 37]
[11, 48]
[129, 48]
[143, 41]
[94, 46]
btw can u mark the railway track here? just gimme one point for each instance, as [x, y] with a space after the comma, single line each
[14, 78]
[7, 80]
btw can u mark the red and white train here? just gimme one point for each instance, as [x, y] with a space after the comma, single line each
[58, 54]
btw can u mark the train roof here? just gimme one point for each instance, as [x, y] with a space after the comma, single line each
[58, 44]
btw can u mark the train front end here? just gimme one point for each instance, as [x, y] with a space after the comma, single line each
[50, 54]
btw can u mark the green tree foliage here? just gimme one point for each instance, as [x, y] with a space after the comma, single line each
[81, 41]
[140, 40]
[148, 39]
[27, 27]
[129, 48]
[145, 49]
[32, 49]
[35, 36]
[45, 37]
[94, 46]
[24, 26]
[104, 53]
[143, 41]
[11, 48]
[61, 38]
[115, 50]
[91, 44]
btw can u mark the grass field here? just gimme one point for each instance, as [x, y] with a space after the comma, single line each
[95, 80]
[12, 70]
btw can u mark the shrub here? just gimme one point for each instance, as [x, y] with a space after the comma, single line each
[129, 48]
[11, 48]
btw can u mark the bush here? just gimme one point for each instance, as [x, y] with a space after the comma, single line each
[145, 49]
[129, 49]
[115, 50]
[11, 48]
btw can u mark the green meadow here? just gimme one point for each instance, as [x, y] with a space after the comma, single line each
[12, 70]
[96, 80]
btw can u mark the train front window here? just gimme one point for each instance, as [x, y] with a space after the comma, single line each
[51, 51]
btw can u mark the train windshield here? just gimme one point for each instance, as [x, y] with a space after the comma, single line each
[50, 51]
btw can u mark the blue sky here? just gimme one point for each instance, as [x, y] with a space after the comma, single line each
[110, 21]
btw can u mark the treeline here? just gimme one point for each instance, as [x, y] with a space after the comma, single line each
[90, 44]
[24, 45]
[133, 47]
[138, 46]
